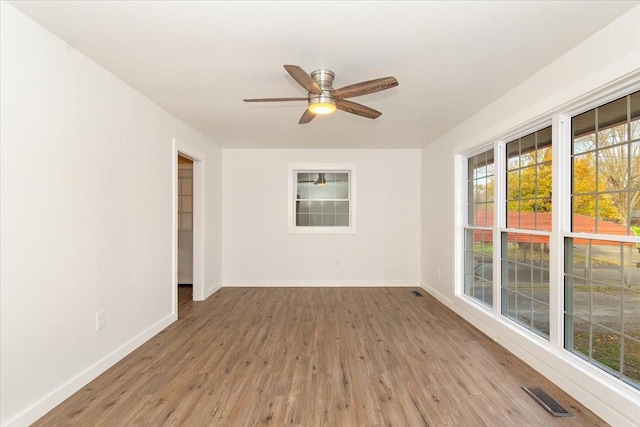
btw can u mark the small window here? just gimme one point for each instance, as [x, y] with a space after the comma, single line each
[321, 199]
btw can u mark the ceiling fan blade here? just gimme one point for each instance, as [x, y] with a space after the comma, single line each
[307, 116]
[365, 88]
[303, 79]
[274, 99]
[358, 109]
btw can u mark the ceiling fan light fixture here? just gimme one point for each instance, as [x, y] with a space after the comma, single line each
[322, 104]
[321, 180]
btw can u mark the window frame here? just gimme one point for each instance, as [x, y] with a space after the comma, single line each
[293, 170]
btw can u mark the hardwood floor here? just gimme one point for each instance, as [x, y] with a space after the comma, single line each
[316, 357]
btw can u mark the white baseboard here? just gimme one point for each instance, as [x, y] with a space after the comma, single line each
[319, 283]
[64, 391]
[437, 295]
[212, 290]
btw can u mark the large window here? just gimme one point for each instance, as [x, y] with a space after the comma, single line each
[602, 274]
[565, 268]
[478, 270]
[322, 199]
[525, 242]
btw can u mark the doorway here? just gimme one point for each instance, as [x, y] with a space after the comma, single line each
[189, 197]
[185, 229]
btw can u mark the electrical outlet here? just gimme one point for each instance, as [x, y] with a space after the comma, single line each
[100, 321]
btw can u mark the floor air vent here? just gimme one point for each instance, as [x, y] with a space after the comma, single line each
[416, 294]
[547, 402]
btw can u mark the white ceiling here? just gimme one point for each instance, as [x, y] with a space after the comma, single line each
[199, 59]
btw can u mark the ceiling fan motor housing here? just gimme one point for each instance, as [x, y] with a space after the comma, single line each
[324, 79]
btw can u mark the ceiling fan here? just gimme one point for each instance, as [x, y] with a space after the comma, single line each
[324, 99]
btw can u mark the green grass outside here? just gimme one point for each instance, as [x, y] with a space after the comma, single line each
[483, 248]
[606, 350]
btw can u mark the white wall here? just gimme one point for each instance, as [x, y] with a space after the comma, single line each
[611, 55]
[86, 173]
[259, 251]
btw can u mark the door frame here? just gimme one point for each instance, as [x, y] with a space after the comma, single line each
[198, 158]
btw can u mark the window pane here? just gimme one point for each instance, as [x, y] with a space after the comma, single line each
[490, 187]
[634, 172]
[509, 303]
[606, 300]
[513, 184]
[303, 178]
[605, 347]
[634, 107]
[319, 192]
[584, 144]
[315, 220]
[612, 118]
[342, 192]
[543, 145]
[631, 368]
[315, 207]
[579, 297]
[513, 214]
[303, 191]
[483, 215]
[302, 207]
[480, 171]
[529, 181]
[613, 135]
[480, 189]
[631, 311]
[543, 214]
[328, 207]
[328, 220]
[479, 265]
[479, 186]
[524, 310]
[602, 296]
[342, 178]
[525, 280]
[583, 219]
[611, 173]
[584, 174]
[342, 220]
[527, 149]
[513, 156]
[583, 128]
[342, 207]
[302, 220]
[580, 340]
[613, 168]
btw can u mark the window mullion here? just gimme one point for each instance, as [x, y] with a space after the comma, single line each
[560, 223]
[499, 220]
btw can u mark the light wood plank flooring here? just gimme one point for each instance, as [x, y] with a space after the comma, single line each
[316, 357]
